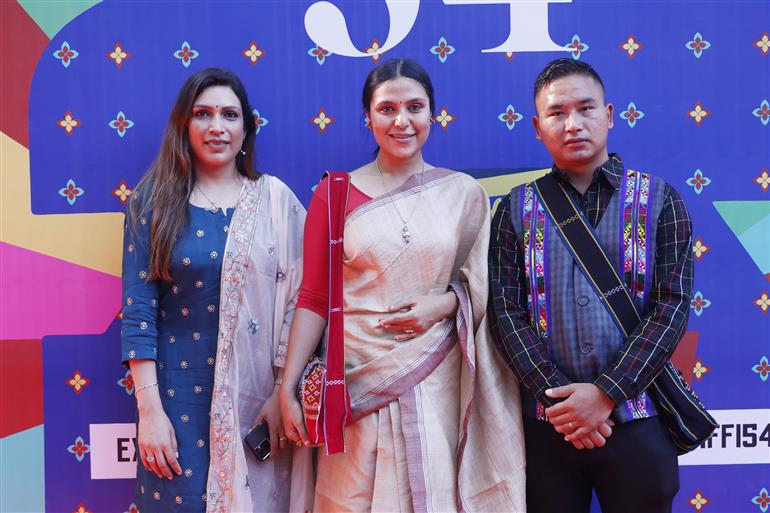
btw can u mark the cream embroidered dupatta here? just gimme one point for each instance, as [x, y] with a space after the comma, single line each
[437, 420]
[261, 275]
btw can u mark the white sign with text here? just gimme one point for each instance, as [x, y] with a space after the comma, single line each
[113, 451]
[742, 437]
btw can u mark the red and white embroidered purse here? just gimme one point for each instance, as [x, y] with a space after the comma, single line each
[310, 394]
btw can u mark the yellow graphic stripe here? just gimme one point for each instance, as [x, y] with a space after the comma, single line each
[501, 185]
[91, 240]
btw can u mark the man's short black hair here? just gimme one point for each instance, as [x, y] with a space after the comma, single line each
[565, 67]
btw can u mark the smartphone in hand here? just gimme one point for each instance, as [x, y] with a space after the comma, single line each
[258, 440]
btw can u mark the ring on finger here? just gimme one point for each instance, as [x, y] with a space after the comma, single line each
[149, 459]
[409, 331]
[282, 438]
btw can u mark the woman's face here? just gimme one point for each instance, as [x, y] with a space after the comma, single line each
[216, 128]
[399, 116]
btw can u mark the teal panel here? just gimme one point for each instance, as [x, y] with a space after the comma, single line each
[756, 241]
[52, 15]
[741, 215]
[22, 480]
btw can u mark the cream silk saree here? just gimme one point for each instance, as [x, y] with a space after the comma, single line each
[437, 419]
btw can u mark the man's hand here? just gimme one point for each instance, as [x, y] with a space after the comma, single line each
[596, 438]
[583, 410]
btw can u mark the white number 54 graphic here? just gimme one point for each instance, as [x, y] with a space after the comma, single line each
[326, 25]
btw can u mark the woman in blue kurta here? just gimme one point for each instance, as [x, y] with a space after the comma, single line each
[211, 268]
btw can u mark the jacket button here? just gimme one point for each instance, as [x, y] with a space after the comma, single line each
[583, 300]
[586, 348]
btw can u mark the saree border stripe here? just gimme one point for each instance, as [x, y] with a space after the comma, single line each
[406, 378]
[464, 305]
[414, 437]
[432, 178]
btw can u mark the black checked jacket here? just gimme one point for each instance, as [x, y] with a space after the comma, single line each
[653, 341]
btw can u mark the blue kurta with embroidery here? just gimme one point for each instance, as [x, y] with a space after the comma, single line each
[176, 323]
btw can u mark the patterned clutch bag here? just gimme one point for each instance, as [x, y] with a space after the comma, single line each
[310, 396]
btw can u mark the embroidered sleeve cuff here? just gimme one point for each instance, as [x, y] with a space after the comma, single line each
[613, 387]
[136, 352]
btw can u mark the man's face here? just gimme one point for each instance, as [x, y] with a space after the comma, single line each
[572, 121]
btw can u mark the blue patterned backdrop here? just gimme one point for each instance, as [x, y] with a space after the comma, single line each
[690, 82]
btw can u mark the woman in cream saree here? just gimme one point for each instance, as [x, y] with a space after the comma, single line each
[434, 422]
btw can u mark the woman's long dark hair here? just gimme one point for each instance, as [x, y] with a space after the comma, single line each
[165, 189]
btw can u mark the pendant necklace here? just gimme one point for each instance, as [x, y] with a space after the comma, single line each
[405, 234]
[214, 208]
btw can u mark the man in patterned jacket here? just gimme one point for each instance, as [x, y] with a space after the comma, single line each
[589, 422]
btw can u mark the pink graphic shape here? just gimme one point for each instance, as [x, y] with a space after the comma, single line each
[42, 296]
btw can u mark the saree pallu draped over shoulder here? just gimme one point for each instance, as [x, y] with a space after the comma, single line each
[261, 274]
[437, 419]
